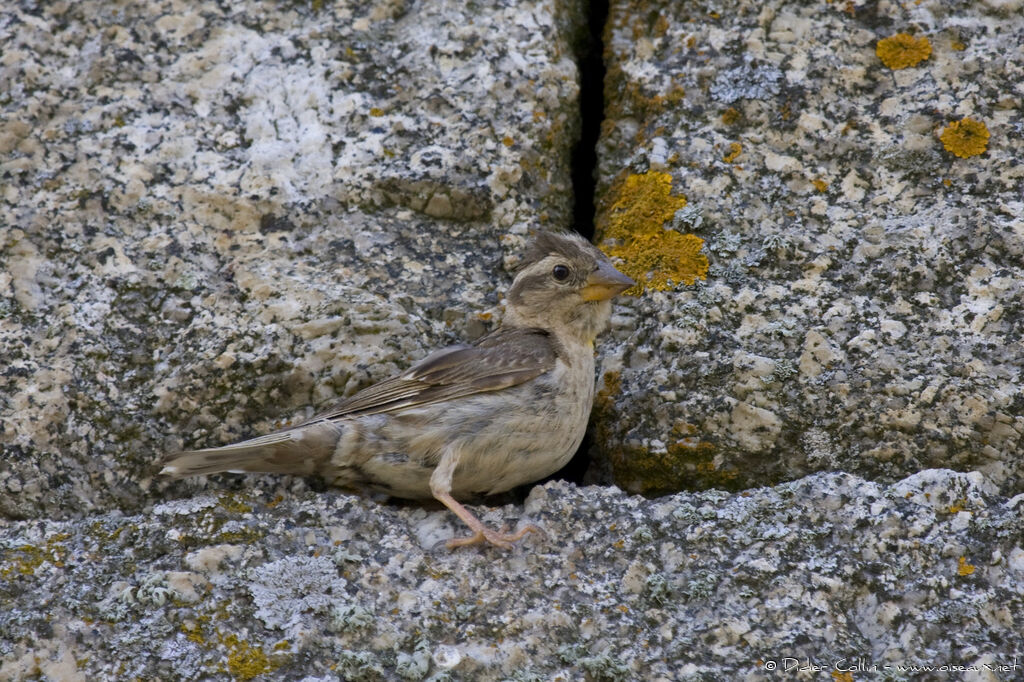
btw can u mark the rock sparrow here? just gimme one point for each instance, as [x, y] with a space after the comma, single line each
[469, 420]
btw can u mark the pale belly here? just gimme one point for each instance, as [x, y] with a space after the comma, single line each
[504, 439]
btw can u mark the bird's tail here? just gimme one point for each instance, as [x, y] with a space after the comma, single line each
[299, 450]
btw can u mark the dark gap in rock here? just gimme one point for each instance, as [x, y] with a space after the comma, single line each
[584, 156]
[584, 171]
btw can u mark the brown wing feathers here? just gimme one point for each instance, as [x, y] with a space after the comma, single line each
[504, 358]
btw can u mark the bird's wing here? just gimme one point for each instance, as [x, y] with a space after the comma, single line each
[501, 359]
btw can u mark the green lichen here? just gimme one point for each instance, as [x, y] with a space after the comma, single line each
[688, 462]
[207, 527]
[414, 666]
[606, 666]
[245, 536]
[230, 502]
[632, 228]
[349, 617]
[682, 466]
[657, 589]
[98, 530]
[359, 665]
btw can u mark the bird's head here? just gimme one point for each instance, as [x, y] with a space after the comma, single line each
[564, 285]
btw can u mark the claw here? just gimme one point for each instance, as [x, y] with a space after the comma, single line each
[496, 538]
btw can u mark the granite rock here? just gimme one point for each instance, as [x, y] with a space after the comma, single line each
[214, 218]
[845, 270]
[276, 583]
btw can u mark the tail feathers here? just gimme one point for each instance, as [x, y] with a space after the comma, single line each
[296, 451]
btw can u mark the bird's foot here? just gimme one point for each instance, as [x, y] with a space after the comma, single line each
[496, 538]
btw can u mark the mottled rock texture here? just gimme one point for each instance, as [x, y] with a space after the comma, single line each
[216, 216]
[861, 308]
[833, 570]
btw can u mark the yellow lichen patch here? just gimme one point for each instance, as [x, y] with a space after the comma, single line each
[633, 228]
[244, 660]
[965, 138]
[903, 50]
[735, 149]
[25, 559]
[819, 184]
[963, 568]
[730, 116]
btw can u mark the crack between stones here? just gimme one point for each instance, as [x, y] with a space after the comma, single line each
[591, 103]
[584, 171]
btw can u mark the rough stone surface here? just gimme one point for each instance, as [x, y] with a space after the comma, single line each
[214, 217]
[833, 570]
[862, 309]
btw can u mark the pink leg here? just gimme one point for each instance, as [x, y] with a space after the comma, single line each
[441, 489]
[480, 532]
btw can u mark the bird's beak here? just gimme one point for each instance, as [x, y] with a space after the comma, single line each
[604, 283]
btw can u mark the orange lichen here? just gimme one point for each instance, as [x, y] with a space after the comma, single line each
[965, 138]
[903, 50]
[376, 112]
[735, 149]
[963, 568]
[661, 26]
[820, 184]
[730, 116]
[633, 228]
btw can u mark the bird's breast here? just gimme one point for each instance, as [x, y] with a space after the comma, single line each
[532, 436]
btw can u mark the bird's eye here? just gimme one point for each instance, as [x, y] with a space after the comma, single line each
[560, 272]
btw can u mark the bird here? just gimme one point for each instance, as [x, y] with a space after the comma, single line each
[469, 420]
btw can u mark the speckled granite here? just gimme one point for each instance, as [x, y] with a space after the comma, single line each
[831, 570]
[862, 305]
[214, 217]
